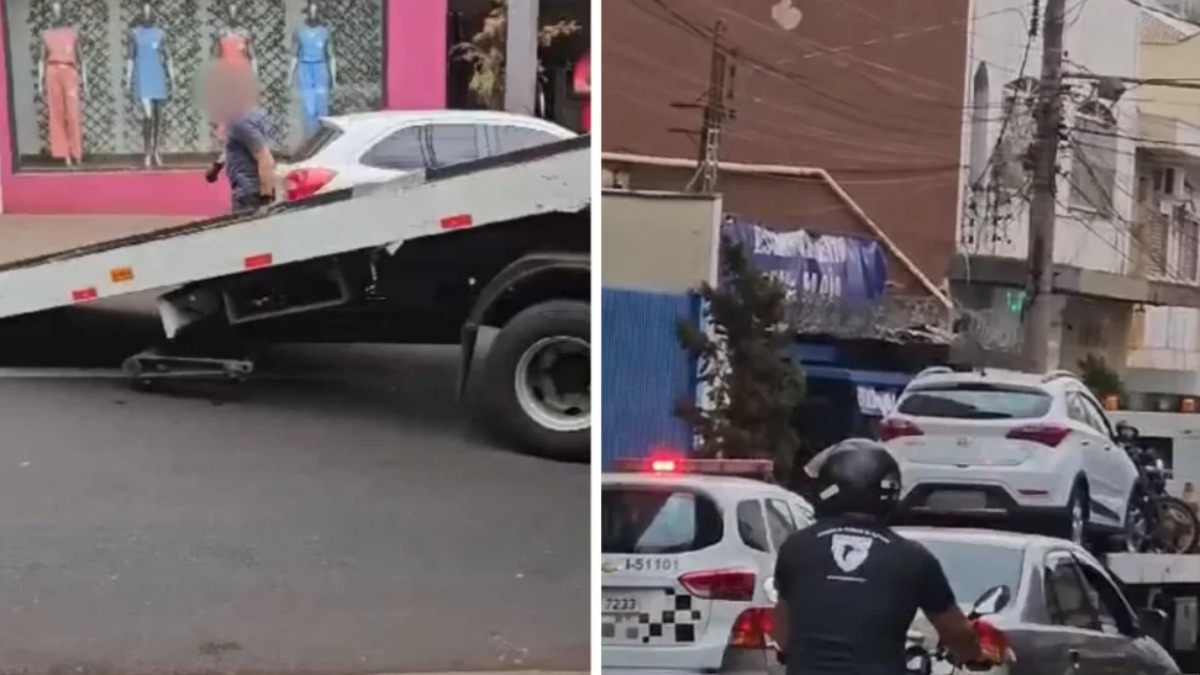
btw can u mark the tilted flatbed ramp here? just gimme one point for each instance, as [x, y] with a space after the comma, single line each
[548, 178]
[1154, 568]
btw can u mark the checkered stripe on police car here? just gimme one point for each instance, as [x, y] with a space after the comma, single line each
[670, 626]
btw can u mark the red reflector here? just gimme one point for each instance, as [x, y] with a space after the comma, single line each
[84, 294]
[752, 627]
[456, 221]
[898, 428]
[1046, 434]
[720, 584]
[304, 183]
[256, 261]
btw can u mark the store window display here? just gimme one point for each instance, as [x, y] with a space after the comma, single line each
[150, 74]
[120, 84]
[61, 83]
[314, 67]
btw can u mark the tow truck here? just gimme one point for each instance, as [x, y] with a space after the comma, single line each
[432, 258]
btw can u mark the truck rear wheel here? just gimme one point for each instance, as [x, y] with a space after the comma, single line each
[538, 380]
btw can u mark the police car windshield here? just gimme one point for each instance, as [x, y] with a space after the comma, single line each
[650, 520]
[975, 401]
[973, 567]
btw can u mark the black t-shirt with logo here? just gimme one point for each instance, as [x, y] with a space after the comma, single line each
[852, 590]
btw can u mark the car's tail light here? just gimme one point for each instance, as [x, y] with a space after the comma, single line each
[303, 183]
[897, 428]
[1049, 435]
[720, 584]
[752, 627]
[991, 639]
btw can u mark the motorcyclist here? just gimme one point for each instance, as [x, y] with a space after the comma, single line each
[849, 587]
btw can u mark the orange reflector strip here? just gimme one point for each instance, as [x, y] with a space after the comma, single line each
[84, 294]
[256, 261]
[456, 221]
[121, 274]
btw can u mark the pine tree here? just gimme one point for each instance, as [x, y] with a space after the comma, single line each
[754, 387]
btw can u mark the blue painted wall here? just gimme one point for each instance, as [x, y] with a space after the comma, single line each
[644, 372]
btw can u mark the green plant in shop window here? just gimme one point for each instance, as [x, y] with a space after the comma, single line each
[485, 51]
[1101, 378]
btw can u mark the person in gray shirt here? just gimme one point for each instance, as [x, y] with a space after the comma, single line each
[247, 157]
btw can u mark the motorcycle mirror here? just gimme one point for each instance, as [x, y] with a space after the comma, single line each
[1127, 432]
[992, 601]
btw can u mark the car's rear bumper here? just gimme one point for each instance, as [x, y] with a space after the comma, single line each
[1000, 505]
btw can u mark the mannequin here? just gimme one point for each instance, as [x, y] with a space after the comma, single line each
[61, 80]
[313, 69]
[150, 73]
[233, 46]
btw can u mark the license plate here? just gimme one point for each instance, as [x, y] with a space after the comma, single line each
[621, 604]
[955, 500]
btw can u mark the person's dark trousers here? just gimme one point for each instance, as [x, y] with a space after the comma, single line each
[248, 203]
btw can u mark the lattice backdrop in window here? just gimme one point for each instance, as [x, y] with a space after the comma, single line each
[265, 21]
[182, 119]
[90, 18]
[356, 27]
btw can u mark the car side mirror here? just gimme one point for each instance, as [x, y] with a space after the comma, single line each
[991, 601]
[1153, 623]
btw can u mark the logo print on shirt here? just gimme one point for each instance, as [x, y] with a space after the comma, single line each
[850, 551]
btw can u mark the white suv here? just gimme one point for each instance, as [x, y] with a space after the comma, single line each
[1036, 451]
[687, 565]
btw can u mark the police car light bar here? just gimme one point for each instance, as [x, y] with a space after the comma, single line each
[747, 468]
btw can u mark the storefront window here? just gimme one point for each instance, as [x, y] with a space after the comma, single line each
[116, 84]
[558, 97]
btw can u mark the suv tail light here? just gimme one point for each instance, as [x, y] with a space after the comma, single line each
[752, 628]
[896, 428]
[303, 183]
[720, 584]
[1049, 435]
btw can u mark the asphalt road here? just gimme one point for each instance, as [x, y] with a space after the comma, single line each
[346, 518]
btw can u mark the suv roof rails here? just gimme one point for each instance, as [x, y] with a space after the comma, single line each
[934, 370]
[1056, 374]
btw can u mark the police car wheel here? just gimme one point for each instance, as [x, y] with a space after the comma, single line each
[538, 380]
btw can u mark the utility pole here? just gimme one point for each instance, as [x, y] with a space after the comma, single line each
[1040, 309]
[717, 112]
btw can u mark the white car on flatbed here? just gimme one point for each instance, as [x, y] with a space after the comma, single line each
[688, 555]
[999, 445]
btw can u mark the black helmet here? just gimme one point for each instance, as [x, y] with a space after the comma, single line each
[857, 475]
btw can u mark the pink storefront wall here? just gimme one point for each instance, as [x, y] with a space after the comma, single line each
[416, 79]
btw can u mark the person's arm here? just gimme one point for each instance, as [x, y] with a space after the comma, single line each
[81, 63]
[250, 54]
[249, 136]
[294, 63]
[331, 59]
[41, 69]
[168, 62]
[131, 48]
[937, 601]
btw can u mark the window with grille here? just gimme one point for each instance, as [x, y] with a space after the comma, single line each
[1187, 236]
[1094, 161]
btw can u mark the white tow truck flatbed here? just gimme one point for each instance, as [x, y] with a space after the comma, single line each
[431, 257]
[549, 178]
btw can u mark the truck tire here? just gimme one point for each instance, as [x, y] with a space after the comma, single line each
[536, 417]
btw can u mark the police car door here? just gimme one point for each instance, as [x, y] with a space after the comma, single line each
[664, 551]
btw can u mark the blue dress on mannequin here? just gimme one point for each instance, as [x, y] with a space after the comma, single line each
[312, 76]
[149, 73]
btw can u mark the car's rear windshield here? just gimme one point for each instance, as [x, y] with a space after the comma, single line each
[654, 520]
[309, 147]
[975, 401]
[972, 567]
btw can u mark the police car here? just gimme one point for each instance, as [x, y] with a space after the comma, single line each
[689, 551]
